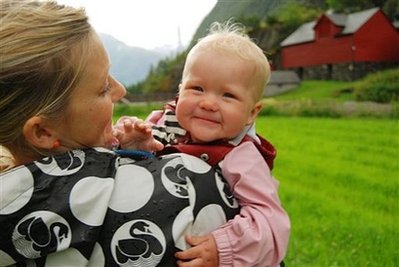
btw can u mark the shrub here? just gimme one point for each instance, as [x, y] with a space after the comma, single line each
[382, 87]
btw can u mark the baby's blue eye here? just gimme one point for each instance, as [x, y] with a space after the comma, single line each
[198, 88]
[228, 95]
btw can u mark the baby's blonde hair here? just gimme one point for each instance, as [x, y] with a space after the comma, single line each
[42, 58]
[232, 38]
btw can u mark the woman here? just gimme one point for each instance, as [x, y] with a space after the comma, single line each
[65, 197]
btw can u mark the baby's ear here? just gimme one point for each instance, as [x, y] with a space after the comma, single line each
[254, 112]
[37, 134]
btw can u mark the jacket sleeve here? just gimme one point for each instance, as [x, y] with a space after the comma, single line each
[259, 235]
[165, 128]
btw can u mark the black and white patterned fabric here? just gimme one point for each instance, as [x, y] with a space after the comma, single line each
[94, 208]
[169, 132]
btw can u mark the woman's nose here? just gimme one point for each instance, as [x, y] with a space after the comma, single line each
[118, 90]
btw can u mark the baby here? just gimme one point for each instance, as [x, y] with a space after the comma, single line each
[213, 117]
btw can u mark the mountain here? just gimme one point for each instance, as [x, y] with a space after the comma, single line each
[129, 64]
[226, 9]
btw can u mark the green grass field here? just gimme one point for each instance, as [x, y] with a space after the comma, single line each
[320, 90]
[340, 185]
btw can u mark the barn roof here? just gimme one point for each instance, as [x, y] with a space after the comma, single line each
[350, 24]
[303, 34]
[356, 20]
[337, 19]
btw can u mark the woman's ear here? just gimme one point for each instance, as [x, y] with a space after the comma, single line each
[254, 112]
[37, 133]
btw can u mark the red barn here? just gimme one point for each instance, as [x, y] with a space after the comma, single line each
[367, 37]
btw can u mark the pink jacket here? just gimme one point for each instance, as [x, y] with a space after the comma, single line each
[259, 235]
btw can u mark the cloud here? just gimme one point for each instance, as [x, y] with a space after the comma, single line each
[148, 24]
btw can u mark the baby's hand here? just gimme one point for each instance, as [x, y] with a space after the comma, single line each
[134, 133]
[203, 252]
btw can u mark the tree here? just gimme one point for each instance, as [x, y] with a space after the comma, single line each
[349, 6]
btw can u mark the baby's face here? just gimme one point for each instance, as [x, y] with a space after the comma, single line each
[217, 96]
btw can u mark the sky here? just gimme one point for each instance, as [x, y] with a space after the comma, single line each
[146, 23]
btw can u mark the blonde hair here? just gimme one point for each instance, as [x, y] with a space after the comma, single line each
[232, 38]
[42, 48]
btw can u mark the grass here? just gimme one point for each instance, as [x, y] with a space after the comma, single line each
[320, 90]
[326, 99]
[340, 185]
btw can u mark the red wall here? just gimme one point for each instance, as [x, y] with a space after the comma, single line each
[324, 28]
[376, 40]
[317, 53]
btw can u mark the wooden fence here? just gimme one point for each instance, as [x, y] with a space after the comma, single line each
[149, 97]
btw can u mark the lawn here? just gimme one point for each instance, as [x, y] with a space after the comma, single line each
[320, 90]
[340, 185]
